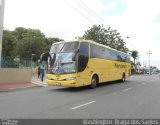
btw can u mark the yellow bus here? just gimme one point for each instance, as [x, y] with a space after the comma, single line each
[85, 63]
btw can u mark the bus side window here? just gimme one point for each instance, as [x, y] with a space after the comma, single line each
[84, 49]
[83, 56]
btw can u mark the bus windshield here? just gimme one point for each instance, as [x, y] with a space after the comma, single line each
[61, 63]
[64, 47]
[61, 58]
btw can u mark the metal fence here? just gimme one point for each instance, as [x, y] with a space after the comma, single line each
[8, 62]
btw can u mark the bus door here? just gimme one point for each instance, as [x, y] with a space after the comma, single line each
[83, 68]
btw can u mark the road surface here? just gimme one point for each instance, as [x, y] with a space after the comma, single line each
[138, 97]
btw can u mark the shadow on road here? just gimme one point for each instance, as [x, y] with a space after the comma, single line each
[87, 88]
[70, 89]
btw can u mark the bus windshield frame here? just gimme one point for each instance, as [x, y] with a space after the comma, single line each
[61, 59]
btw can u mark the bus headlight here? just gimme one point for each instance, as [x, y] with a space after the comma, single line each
[71, 78]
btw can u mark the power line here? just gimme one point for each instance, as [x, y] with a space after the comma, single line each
[86, 9]
[79, 12]
[91, 12]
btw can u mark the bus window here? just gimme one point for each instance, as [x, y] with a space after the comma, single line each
[83, 56]
[97, 52]
[56, 48]
[67, 47]
[113, 55]
[84, 49]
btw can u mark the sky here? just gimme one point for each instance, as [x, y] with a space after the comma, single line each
[138, 21]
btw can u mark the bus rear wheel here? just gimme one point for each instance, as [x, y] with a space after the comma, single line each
[123, 78]
[94, 82]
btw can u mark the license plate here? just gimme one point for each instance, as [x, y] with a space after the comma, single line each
[58, 83]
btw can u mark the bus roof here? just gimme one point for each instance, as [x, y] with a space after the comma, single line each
[89, 41]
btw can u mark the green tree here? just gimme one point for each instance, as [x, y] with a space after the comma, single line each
[105, 36]
[134, 55]
[9, 46]
[19, 32]
[32, 42]
[22, 43]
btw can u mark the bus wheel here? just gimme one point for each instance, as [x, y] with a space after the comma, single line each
[94, 82]
[123, 78]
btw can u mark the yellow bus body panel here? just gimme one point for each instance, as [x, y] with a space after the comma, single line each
[61, 80]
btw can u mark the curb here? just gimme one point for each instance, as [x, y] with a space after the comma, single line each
[18, 88]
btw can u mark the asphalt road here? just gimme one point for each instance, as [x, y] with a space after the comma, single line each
[138, 97]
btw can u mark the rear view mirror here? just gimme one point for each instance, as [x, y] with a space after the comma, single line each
[44, 57]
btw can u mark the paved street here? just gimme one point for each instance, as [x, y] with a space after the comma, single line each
[138, 97]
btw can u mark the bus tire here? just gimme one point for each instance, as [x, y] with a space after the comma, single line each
[123, 78]
[94, 82]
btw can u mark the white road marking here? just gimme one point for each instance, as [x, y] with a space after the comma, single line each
[83, 105]
[127, 89]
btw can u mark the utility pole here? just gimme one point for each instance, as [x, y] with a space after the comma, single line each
[144, 67]
[138, 64]
[149, 53]
[1, 27]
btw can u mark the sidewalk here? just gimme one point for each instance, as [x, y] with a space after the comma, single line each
[35, 82]
[38, 82]
[12, 86]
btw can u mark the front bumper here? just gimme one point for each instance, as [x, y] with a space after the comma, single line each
[66, 83]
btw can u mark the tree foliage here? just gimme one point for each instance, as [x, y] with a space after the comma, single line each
[10, 44]
[31, 42]
[105, 36]
[24, 43]
[134, 55]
